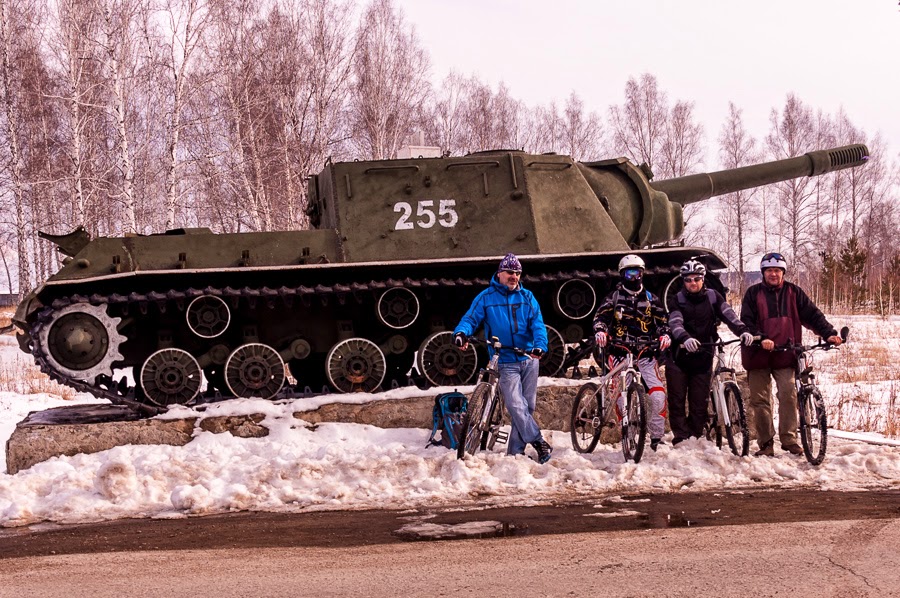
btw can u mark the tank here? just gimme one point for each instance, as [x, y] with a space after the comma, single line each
[370, 295]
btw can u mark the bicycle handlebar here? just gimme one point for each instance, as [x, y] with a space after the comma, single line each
[721, 343]
[495, 343]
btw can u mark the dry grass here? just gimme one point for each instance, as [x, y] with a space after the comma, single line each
[6, 315]
[23, 378]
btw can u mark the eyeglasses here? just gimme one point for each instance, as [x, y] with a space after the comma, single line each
[773, 256]
[693, 279]
[516, 272]
[633, 273]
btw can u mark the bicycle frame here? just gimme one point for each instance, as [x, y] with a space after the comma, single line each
[722, 374]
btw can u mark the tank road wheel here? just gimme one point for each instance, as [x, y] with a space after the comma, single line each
[171, 377]
[397, 308]
[556, 353]
[443, 364]
[576, 299]
[355, 365]
[208, 316]
[81, 341]
[254, 370]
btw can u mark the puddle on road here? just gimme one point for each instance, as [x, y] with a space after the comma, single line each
[664, 520]
[457, 531]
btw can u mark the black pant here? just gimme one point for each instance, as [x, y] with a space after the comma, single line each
[690, 385]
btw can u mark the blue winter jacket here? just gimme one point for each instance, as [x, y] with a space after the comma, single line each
[512, 316]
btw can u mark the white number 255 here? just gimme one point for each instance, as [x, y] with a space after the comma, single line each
[446, 215]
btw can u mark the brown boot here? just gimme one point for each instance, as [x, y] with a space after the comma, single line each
[793, 449]
[767, 449]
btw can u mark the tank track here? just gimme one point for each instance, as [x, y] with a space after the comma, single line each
[119, 393]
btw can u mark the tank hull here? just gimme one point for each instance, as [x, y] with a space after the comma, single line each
[317, 318]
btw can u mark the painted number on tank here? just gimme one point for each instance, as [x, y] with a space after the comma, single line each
[425, 217]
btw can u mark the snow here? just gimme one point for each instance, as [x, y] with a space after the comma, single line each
[330, 466]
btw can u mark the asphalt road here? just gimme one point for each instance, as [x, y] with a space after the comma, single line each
[798, 543]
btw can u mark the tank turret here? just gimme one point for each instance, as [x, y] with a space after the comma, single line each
[369, 296]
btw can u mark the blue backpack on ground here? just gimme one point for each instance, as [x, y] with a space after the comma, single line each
[447, 415]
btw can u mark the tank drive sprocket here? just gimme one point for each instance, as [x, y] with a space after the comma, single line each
[81, 341]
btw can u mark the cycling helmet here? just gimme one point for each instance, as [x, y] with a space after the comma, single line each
[631, 261]
[773, 260]
[692, 266]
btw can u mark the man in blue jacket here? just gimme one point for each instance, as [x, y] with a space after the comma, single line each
[513, 315]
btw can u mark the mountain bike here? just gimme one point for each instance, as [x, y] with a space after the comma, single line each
[813, 419]
[592, 410]
[481, 424]
[726, 415]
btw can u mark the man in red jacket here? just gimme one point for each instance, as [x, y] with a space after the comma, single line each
[776, 310]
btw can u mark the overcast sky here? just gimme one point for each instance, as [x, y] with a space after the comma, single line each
[831, 53]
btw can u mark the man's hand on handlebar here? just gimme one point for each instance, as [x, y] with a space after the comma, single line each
[664, 342]
[767, 344]
[536, 353]
[601, 338]
[460, 340]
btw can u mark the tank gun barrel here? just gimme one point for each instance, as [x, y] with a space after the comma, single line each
[698, 187]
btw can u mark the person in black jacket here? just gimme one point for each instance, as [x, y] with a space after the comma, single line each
[695, 316]
[776, 310]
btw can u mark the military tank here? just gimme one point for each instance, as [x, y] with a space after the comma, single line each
[398, 250]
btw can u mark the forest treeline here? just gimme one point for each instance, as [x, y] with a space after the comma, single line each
[137, 116]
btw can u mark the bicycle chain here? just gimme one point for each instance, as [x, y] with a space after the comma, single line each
[119, 394]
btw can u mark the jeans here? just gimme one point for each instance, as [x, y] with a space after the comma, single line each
[518, 384]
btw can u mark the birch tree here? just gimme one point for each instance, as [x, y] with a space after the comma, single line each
[736, 148]
[391, 85]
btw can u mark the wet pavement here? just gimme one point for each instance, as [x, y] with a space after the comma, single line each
[342, 529]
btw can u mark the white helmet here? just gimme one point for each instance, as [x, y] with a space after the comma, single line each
[631, 261]
[692, 266]
[773, 260]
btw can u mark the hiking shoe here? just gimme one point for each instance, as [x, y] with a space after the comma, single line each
[543, 449]
[767, 449]
[655, 442]
[793, 449]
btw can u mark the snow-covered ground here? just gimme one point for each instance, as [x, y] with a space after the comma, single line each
[300, 467]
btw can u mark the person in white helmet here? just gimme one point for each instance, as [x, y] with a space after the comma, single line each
[775, 310]
[696, 312]
[632, 311]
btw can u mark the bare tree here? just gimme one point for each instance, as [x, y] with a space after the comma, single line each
[791, 133]
[682, 144]
[736, 148]
[10, 88]
[181, 35]
[391, 83]
[638, 125]
[583, 133]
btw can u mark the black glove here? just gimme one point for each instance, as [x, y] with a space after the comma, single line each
[459, 339]
[537, 352]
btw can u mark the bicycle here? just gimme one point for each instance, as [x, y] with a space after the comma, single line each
[726, 413]
[481, 424]
[810, 404]
[592, 410]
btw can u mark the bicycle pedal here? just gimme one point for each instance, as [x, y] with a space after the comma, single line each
[502, 437]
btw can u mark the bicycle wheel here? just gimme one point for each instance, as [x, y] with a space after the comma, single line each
[635, 432]
[470, 438]
[736, 433]
[587, 419]
[813, 425]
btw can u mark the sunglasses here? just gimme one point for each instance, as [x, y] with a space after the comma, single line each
[633, 274]
[516, 272]
[693, 279]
